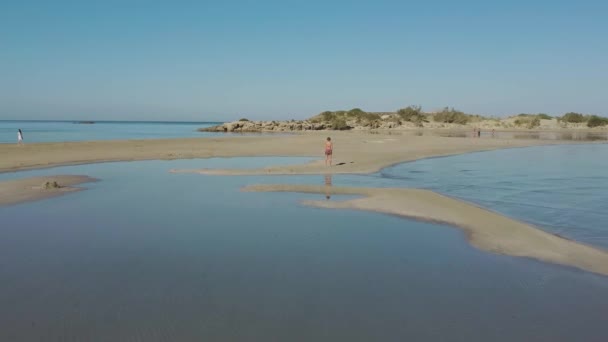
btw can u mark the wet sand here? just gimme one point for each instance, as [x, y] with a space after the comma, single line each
[33, 189]
[485, 230]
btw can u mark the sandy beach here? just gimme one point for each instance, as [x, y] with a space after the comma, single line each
[36, 188]
[354, 152]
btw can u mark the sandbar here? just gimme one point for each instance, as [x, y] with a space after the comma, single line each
[33, 189]
[357, 152]
[354, 152]
[484, 229]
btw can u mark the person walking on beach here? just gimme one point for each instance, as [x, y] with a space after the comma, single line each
[19, 137]
[329, 146]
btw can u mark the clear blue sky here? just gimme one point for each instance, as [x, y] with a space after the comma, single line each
[197, 60]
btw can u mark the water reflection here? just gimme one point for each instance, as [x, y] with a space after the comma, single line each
[327, 186]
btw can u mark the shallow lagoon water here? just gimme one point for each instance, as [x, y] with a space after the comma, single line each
[152, 256]
[562, 189]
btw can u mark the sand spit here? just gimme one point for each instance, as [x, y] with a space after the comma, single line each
[359, 152]
[485, 229]
[37, 188]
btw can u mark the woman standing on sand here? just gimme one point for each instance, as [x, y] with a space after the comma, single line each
[19, 137]
[329, 146]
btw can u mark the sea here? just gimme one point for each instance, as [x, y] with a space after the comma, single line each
[148, 255]
[61, 131]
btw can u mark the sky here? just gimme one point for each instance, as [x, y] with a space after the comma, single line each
[223, 60]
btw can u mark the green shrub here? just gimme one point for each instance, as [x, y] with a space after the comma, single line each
[327, 115]
[412, 114]
[243, 119]
[573, 117]
[528, 121]
[597, 121]
[355, 112]
[451, 116]
[541, 116]
[339, 124]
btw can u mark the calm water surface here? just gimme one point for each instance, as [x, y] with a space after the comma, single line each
[52, 131]
[562, 189]
[144, 255]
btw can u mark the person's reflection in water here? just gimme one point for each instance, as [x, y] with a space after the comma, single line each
[328, 186]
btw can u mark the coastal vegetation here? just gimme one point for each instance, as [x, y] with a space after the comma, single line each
[413, 114]
[541, 116]
[573, 118]
[338, 120]
[596, 121]
[578, 118]
[451, 115]
[529, 121]
[534, 120]
[412, 117]
[544, 116]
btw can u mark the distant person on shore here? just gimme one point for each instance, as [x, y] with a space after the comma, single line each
[329, 148]
[19, 137]
[479, 132]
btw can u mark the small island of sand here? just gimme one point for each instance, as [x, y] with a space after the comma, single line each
[37, 188]
[485, 230]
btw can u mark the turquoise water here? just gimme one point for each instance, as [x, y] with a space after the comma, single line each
[146, 255]
[52, 131]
